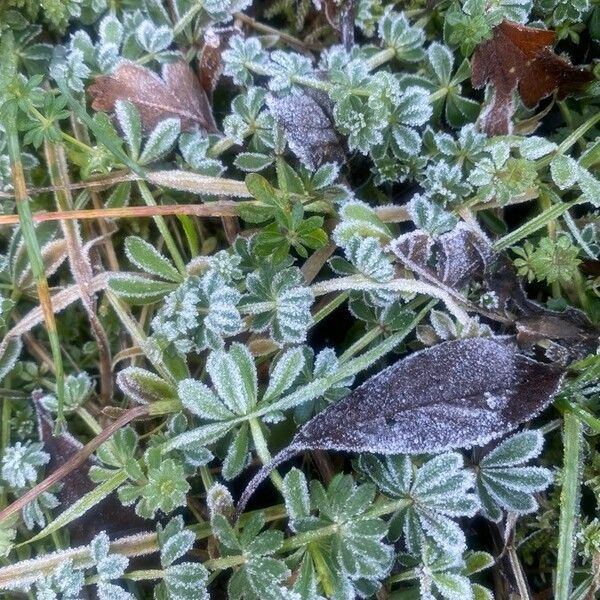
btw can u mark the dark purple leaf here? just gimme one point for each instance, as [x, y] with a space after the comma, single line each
[458, 394]
[308, 124]
[109, 514]
[461, 256]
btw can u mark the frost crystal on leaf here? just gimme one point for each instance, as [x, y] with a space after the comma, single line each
[20, 463]
[439, 491]
[199, 314]
[504, 483]
[279, 302]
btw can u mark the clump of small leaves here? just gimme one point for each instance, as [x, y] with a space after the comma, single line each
[299, 300]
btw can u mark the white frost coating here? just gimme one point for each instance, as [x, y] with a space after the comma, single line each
[443, 325]
[453, 586]
[296, 497]
[186, 181]
[358, 219]
[431, 388]
[535, 147]
[441, 59]
[368, 257]
[521, 479]
[564, 171]
[9, 353]
[218, 500]
[147, 258]
[437, 470]
[161, 140]
[502, 485]
[443, 531]
[130, 124]
[397, 285]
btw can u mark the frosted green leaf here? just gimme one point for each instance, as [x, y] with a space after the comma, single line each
[359, 219]
[174, 540]
[564, 171]
[535, 147]
[284, 374]
[161, 141]
[21, 462]
[502, 484]
[201, 401]
[296, 497]
[406, 40]
[234, 376]
[237, 453]
[146, 257]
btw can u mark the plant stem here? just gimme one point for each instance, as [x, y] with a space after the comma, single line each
[381, 58]
[162, 227]
[188, 17]
[348, 369]
[263, 451]
[361, 343]
[571, 139]
[138, 336]
[79, 263]
[338, 300]
[357, 282]
[569, 504]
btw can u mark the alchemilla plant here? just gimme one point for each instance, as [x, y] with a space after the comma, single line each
[299, 300]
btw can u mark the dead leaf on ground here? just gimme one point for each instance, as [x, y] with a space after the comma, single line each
[177, 94]
[308, 124]
[462, 256]
[210, 56]
[107, 515]
[457, 394]
[521, 58]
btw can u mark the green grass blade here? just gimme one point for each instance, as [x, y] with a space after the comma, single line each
[541, 220]
[81, 506]
[569, 505]
[35, 256]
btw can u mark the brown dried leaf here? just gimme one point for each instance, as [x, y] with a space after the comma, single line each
[210, 62]
[521, 58]
[177, 94]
